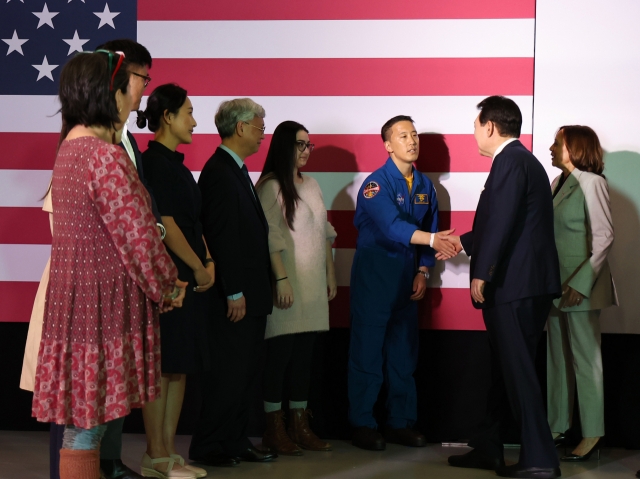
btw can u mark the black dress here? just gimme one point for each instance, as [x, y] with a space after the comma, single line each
[183, 331]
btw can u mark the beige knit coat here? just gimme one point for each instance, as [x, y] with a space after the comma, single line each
[303, 254]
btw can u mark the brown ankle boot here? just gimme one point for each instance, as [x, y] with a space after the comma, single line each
[275, 438]
[300, 432]
[79, 464]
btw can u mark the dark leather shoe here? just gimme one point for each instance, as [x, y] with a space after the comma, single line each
[559, 439]
[638, 474]
[256, 455]
[369, 439]
[218, 459]
[516, 470]
[474, 459]
[115, 469]
[405, 436]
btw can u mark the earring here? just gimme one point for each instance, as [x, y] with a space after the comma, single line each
[119, 110]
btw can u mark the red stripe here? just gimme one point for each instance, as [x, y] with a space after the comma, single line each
[24, 226]
[342, 221]
[446, 309]
[333, 153]
[20, 297]
[344, 76]
[31, 225]
[343, 10]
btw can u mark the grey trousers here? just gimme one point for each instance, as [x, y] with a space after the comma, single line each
[574, 361]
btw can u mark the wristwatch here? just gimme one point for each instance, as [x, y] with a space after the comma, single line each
[423, 273]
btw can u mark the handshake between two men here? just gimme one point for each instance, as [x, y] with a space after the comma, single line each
[448, 245]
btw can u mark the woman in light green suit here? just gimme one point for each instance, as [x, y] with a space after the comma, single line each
[584, 236]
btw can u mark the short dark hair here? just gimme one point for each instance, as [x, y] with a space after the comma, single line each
[168, 97]
[387, 126]
[135, 53]
[87, 93]
[504, 113]
[281, 159]
[584, 148]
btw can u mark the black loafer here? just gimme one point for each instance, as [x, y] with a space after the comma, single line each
[255, 455]
[218, 459]
[405, 437]
[474, 459]
[369, 439]
[115, 469]
[517, 471]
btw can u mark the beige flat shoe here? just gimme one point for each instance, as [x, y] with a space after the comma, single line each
[197, 470]
[147, 469]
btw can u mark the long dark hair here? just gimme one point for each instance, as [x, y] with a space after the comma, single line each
[281, 160]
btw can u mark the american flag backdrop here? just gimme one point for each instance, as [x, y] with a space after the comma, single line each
[341, 68]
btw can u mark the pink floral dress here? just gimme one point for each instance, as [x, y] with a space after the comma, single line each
[100, 350]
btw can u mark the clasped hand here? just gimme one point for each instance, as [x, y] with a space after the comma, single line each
[570, 298]
[177, 301]
[446, 244]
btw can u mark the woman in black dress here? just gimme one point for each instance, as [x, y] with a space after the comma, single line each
[169, 114]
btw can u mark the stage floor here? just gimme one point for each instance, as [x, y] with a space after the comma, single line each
[26, 455]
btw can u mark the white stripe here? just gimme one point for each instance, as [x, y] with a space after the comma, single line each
[23, 262]
[426, 38]
[320, 114]
[23, 188]
[456, 191]
[26, 263]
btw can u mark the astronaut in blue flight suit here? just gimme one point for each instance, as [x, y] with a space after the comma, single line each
[397, 218]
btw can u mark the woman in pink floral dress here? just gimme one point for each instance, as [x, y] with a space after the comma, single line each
[100, 350]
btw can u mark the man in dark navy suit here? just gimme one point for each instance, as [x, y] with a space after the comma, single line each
[514, 278]
[236, 232]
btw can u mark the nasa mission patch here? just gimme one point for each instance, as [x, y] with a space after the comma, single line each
[371, 189]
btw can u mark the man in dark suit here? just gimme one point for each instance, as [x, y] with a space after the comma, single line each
[514, 278]
[236, 232]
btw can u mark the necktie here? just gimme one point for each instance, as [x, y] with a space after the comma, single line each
[246, 174]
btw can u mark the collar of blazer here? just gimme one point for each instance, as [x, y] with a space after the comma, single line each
[569, 186]
[243, 181]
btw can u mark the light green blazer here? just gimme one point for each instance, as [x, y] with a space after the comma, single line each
[584, 236]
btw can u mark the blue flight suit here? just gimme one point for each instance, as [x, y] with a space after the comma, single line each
[384, 321]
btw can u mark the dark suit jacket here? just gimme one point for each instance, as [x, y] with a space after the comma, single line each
[512, 246]
[139, 167]
[236, 232]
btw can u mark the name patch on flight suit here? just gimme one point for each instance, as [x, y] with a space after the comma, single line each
[371, 189]
[421, 199]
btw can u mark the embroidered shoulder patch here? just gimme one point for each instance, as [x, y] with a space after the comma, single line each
[371, 189]
[421, 199]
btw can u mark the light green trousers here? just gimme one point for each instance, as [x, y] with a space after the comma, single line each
[574, 362]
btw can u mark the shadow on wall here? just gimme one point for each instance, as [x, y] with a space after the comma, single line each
[622, 170]
[344, 203]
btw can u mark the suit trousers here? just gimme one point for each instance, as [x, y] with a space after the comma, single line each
[228, 386]
[574, 359]
[514, 331]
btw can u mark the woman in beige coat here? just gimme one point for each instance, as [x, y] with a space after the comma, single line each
[300, 239]
[584, 236]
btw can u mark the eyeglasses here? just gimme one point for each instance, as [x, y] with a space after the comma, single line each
[111, 68]
[147, 78]
[303, 146]
[256, 127]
